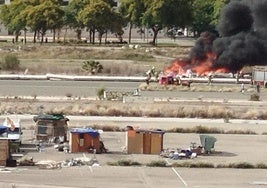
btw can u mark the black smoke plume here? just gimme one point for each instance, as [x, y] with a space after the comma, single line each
[242, 37]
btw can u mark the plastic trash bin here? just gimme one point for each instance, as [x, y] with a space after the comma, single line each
[207, 142]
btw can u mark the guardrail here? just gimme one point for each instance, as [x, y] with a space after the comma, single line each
[70, 77]
[114, 78]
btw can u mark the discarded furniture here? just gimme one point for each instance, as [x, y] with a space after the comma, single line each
[51, 127]
[207, 143]
[144, 141]
[84, 140]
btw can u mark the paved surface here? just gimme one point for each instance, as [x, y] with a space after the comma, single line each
[137, 177]
[228, 149]
[89, 89]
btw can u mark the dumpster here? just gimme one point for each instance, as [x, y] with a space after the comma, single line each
[207, 143]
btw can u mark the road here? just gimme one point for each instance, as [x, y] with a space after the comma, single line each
[89, 89]
[134, 177]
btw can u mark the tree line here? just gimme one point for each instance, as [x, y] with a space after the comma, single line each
[100, 17]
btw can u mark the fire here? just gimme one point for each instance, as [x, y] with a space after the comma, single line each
[200, 67]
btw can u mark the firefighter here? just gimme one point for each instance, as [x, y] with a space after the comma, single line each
[242, 90]
[258, 87]
[149, 74]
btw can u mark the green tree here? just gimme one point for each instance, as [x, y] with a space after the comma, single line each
[71, 16]
[132, 11]
[54, 16]
[218, 5]
[206, 15]
[117, 24]
[161, 14]
[12, 19]
[43, 15]
[203, 16]
[98, 16]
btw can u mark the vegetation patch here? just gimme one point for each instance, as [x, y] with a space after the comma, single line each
[159, 163]
[193, 165]
[202, 129]
[10, 62]
[124, 162]
[187, 164]
[238, 165]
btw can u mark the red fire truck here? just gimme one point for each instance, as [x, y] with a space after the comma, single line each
[259, 75]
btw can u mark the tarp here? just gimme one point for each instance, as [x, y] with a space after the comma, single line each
[49, 117]
[3, 129]
[89, 131]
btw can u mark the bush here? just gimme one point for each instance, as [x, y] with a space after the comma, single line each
[193, 165]
[241, 165]
[157, 164]
[92, 66]
[10, 62]
[124, 162]
[261, 166]
[100, 93]
[254, 97]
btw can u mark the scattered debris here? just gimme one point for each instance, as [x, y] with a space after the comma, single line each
[48, 164]
[176, 154]
[81, 161]
[207, 146]
[25, 161]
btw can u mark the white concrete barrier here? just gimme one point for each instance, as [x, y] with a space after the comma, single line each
[138, 99]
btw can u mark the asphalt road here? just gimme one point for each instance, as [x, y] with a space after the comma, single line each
[134, 177]
[89, 89]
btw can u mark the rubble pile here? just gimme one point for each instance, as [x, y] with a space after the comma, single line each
[25, 161]
[177, 154]
[81, 161]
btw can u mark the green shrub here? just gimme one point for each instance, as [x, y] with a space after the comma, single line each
[92, 66]
[159, 163]
[124, 162]
[254, 97]
[193, 165]
[241, 165]
[240, 132]
[261, 165]
[202, 129]
[100, 93]
[201, 165]
[10, 62]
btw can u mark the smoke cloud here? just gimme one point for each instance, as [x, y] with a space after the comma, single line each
[242, 37]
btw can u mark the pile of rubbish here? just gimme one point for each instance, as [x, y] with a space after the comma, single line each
[82, 161]
[25, 161]
[62, 147]
[177, 154]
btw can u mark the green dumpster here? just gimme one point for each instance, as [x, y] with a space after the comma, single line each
[207, 142]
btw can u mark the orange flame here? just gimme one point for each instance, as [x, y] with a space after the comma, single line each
[200, 67]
